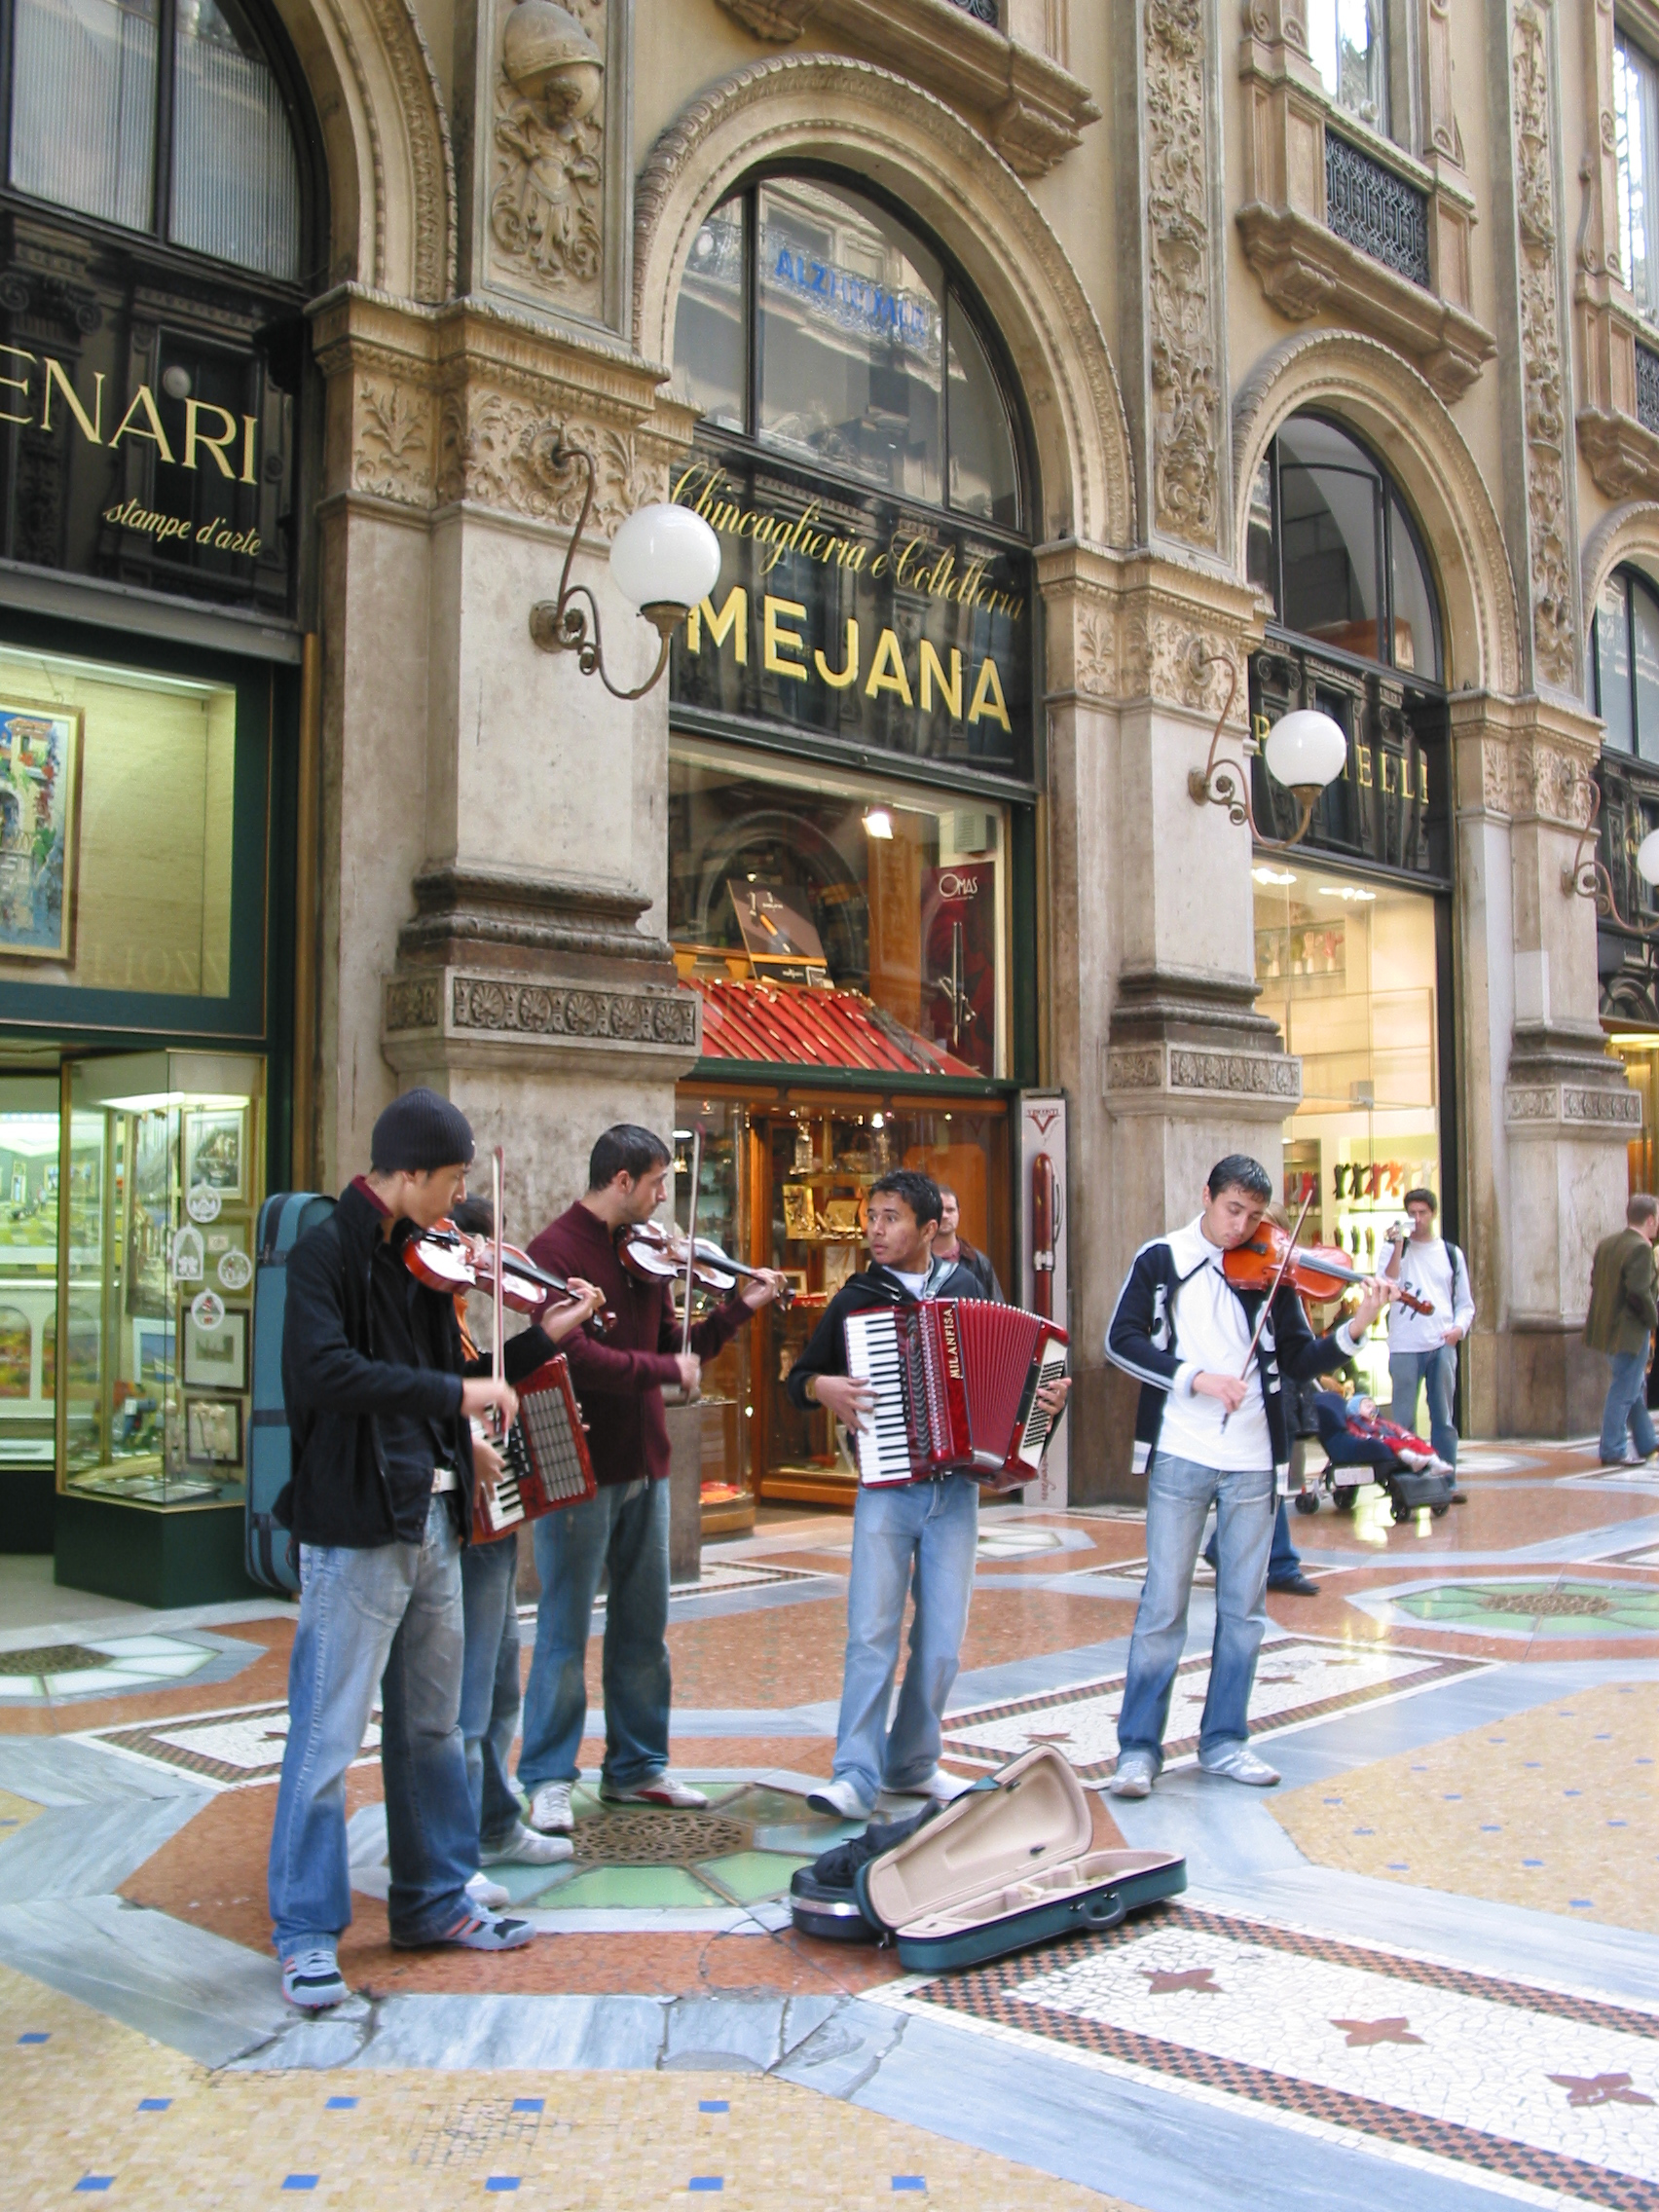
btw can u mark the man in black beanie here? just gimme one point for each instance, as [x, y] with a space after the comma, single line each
[380, 1502]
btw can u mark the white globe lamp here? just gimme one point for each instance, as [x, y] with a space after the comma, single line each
[664, 560]
[1305, 751]
[1648, 858]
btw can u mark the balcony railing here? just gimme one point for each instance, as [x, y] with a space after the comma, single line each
[1374, 209]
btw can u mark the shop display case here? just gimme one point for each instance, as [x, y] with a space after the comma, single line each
[161, 1163]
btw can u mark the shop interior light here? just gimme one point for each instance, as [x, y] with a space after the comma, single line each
[1304, 750]
[1352, 892]
[663, 560]
[1585, 875]
[1273, 875]
[159, 1101]
[878, 822]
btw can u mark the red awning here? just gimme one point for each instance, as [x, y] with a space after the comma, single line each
[794, 1025]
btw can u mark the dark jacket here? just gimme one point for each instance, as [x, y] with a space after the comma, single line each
[824, 1351]
[618, 1377]
[978, 1266]
[333, 1387]
[1622, 1305]
[1144, 1342]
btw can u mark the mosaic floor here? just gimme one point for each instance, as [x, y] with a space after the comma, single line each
[1423, 1974]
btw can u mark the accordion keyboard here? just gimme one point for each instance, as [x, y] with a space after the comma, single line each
[874, 1356]
[1050, 1366]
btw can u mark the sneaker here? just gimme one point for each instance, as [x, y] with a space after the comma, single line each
[550, 1811]
[485, 1932]
[488, 1895]
[1136, 1773]
[1239, 1763]
[525, 1848]
[660, 1790]
[1297, 1585]
[312, 1979]
[944, 1789]
[841, 1798]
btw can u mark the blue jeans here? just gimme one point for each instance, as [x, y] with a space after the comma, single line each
[387, 1619]
[1283, 1561]
[911, 1535]
[1438, 1371]
[1625, 1413]
[1179, 1495]
[490, 1684]
[624, 1532]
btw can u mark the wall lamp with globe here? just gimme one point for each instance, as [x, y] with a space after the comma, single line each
[1585, 876]
[1304, 750]
[664, 560]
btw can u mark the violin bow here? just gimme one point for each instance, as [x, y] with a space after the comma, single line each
[691, 1234]
[498, 1356]
[1268, 1302]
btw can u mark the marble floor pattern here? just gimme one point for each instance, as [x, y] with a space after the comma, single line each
[1423, 1973]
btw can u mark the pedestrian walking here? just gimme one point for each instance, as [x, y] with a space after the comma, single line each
[1623, 1311]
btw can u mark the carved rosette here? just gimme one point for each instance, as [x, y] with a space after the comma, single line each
[500, 451]
[1554, 632]
[1186, 387]
[547, 186]
[1167, 660]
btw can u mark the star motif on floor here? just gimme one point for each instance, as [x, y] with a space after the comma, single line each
[1362, 2033]
[1599, 2089]
[1161, 1980]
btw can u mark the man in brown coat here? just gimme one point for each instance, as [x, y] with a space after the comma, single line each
[1623, 1311]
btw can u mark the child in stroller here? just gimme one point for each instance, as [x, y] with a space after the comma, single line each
[1364, 1448]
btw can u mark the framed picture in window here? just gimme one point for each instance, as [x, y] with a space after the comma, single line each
[213, 1152]
[213, 1432]
[215, 1358]
[40, 830]
[152, 1354]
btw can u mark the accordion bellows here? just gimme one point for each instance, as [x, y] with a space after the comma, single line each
[957, 1383]
[547, 1464]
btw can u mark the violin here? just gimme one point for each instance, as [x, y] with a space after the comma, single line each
[441, 1258]
[1317, 1271]
[658, 1253]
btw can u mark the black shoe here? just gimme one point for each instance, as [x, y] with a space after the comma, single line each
[1299, 1585]
[1458, 1497]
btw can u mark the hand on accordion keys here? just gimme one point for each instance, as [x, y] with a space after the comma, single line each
[848, 1397]
[1052, 1397]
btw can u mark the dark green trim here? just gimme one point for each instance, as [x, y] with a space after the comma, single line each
[152, 1015]
[28, 1499]
[748, 1072]
[152, 1557]
[280, 928]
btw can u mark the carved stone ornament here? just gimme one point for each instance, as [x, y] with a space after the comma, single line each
[392, 454]
[413, 1002]
[547, 175]
[501, 452]
[1554, 630]
[1186, 391]
[1095, 653]
[1166, 660]
[451, 1005]
[1183, 1067]
[400, 46]
[1528, 780]
[1614, 1109]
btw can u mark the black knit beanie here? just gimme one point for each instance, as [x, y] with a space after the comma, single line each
[420, 1131]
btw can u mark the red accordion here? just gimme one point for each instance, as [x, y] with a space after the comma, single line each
[957, 1383]
[546, 1456]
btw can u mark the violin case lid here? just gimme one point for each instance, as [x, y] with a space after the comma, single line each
[1010, 1863]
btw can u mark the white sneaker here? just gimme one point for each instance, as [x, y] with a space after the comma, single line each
[944, 1789]
[660, 1790]
[1135, 1776]
[488, 1895]
[526, 1848]
[840, 1798]
[1239, 1763]
[550, 1811]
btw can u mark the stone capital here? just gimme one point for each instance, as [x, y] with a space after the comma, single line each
[455, 1018]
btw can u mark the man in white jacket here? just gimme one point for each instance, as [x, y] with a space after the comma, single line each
[1422, 1347]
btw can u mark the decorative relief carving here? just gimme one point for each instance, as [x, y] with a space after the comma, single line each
[1599, 1108]
[1528, 779]
[1554, 636]
[1185, 386]
[431, 155]
[412, 1002]
[1094, 654]
[1166, 659]
[1135, 1070]
[539, 1009]
[393, 454]
[499, 452]
[1259, 1074]
[547, 181]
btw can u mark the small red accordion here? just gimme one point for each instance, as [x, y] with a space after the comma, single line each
[547, 1464]
[957, 1381]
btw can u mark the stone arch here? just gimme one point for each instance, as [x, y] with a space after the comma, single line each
[866, 120]
[1624, 533]
[1389, 404]
[385, 141]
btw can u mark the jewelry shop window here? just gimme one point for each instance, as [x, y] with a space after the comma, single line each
[798, 876]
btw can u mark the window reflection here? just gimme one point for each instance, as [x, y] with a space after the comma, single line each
[709, 324]
[1346, 40]
[1636, 128]
[984, 480]
[84, 106]
[235, 181]
[1329, 512]
[1417, 633]
[1612, 665]
[851, 347]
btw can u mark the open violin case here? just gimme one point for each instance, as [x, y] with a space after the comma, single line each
[1009, 1864]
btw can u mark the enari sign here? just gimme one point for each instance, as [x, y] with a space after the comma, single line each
[850, 616]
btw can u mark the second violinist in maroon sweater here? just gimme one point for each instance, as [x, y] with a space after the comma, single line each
[623, 1531]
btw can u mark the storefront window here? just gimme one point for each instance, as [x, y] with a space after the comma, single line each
[28, 1271]
[1627, 663]
[1348, 968]
[803, 878]
[115, 827]
[163, 1158]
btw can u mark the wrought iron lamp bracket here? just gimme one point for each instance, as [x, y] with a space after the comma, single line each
[561, 625]
[1225, 782]
[1586, 876]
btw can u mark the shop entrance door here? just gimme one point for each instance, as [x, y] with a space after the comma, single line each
[28, 1302]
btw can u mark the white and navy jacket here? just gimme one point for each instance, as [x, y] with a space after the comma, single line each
[1144, 1341]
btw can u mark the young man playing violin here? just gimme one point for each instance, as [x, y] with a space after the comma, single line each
[920, 1534]
[623, 1531]
[1211, 1430]
[380, 1503]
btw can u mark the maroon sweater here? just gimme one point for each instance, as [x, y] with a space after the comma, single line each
[618, 1377]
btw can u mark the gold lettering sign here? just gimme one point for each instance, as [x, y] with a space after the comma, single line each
[207, 429]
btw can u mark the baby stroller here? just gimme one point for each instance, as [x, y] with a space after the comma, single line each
[1362, 1449]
